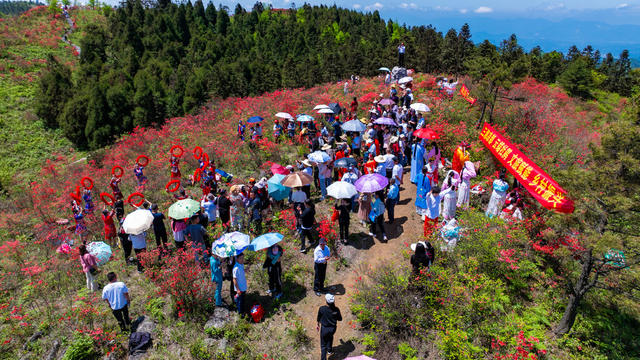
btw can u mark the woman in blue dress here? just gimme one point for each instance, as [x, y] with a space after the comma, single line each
[498, 196]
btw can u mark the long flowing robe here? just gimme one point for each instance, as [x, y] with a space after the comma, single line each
[449, 203]
[423, 186]
[417, 161]
[468, 173]
[498, 197]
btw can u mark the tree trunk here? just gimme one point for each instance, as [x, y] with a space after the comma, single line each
[493, 104]
[569, 317]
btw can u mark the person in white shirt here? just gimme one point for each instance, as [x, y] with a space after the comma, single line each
[239, 284]
[397, 171]
[298, 196]
[320, 257]
[388, 164]
[208, 203]
[116, 295]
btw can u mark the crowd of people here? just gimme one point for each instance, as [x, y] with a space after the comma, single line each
[393, 136]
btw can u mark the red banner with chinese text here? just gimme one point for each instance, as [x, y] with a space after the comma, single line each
[535, 180]
[464, 91]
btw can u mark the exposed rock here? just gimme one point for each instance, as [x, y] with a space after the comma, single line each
[220, 317]
[222, 345]
[209, 342]
[147, 325]
[34, 337]
[54, 350]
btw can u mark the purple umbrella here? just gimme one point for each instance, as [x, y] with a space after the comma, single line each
[371, 183]
[386, 102]
[385, 121]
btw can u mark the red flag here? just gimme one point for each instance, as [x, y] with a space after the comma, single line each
[539, 184]
[464, 91]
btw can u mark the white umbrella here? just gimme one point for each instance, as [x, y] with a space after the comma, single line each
[230, 244]
[405, 80]
[304, 118]
[384, 69]
[284, 115]
[319, 157]
[420, 107]
[325, 111]
[321, 106]
[341, 190]
[138, 222]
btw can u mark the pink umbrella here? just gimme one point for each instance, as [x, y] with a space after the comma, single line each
[279, 169]
[386, 102]
[361, 357]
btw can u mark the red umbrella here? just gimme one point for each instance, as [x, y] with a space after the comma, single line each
[426, 133]
[279, 169]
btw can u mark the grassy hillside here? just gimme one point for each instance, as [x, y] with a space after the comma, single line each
[25, 42]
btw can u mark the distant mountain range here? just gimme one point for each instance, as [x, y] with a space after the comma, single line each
[550, 34]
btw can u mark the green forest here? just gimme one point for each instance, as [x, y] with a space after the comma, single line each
[16, 7]
[150, 63]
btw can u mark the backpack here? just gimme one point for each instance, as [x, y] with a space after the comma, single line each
[257, 312]
[139, 342]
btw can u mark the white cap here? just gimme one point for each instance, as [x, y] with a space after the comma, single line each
[330, 299]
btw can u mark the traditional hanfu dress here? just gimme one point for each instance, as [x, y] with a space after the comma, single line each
[417, 161]
[468, 173]
[498, 197]
[460, 156]
[423, 186]
[449, 185]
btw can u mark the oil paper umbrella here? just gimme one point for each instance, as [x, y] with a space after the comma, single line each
[405, 80]
[319, 157]
[386, 102]
[426, 133]
[101, 251]
[254, 120]
[345, 162]
[341, 190]
[297, 179]
[137, 222]
[284, 115]
[420, 107]
[320, 106]
[384, 69]
[184, 209]
[276, 190]
[266, 240]
[354, 125]
[325, 111]
[230, 244]
[279, 169]
[385, 121]
[371, 183]
[304, 118]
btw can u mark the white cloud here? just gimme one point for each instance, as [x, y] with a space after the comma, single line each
[622, 6]
[357, 6]
[376, 6]
[409, 6]
[557, 6]
[463, 11]
[483, 10]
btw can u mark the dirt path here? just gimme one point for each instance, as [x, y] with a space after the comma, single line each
[407, 228]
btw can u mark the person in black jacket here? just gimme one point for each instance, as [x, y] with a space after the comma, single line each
[328, 317]
[343, 207]
[307, 219]
[419, 259]
[224, 208]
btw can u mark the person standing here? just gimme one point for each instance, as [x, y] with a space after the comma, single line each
[208, 203]
[307, 220]
[376, 216]
[196, 232]
[467, 173]
[110, 234]
[224, 209]
[498, 196]
[255, 213]
[239, 284]
[343, 207]
[274, 270]
[216, 277]
[320, 257]
[397, 171]
[433, 200]
[139, 243]
[364, 207]
[328, 317]
[392, 200]
[460, 156]
[116, 295]
[89, 267]
[401, 50]
[417, 160]
[125, 242]
[159, 229]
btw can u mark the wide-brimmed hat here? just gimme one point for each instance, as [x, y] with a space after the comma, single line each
[306, 162]
[380, 159]
[325, 147]
[393, 139]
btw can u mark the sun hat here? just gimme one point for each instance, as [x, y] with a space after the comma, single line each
[307, 162]
[330, 298]
[379, 159]
[326, 147]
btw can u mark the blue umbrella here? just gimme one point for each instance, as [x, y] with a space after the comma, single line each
[101, 251]
[345, 162]
[230, 244]
[254, 119]
[319, 157]
[304, 118]
[354, 125]
[266, 240]
[276, 190]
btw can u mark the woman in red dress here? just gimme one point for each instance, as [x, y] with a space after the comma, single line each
[110, 234]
